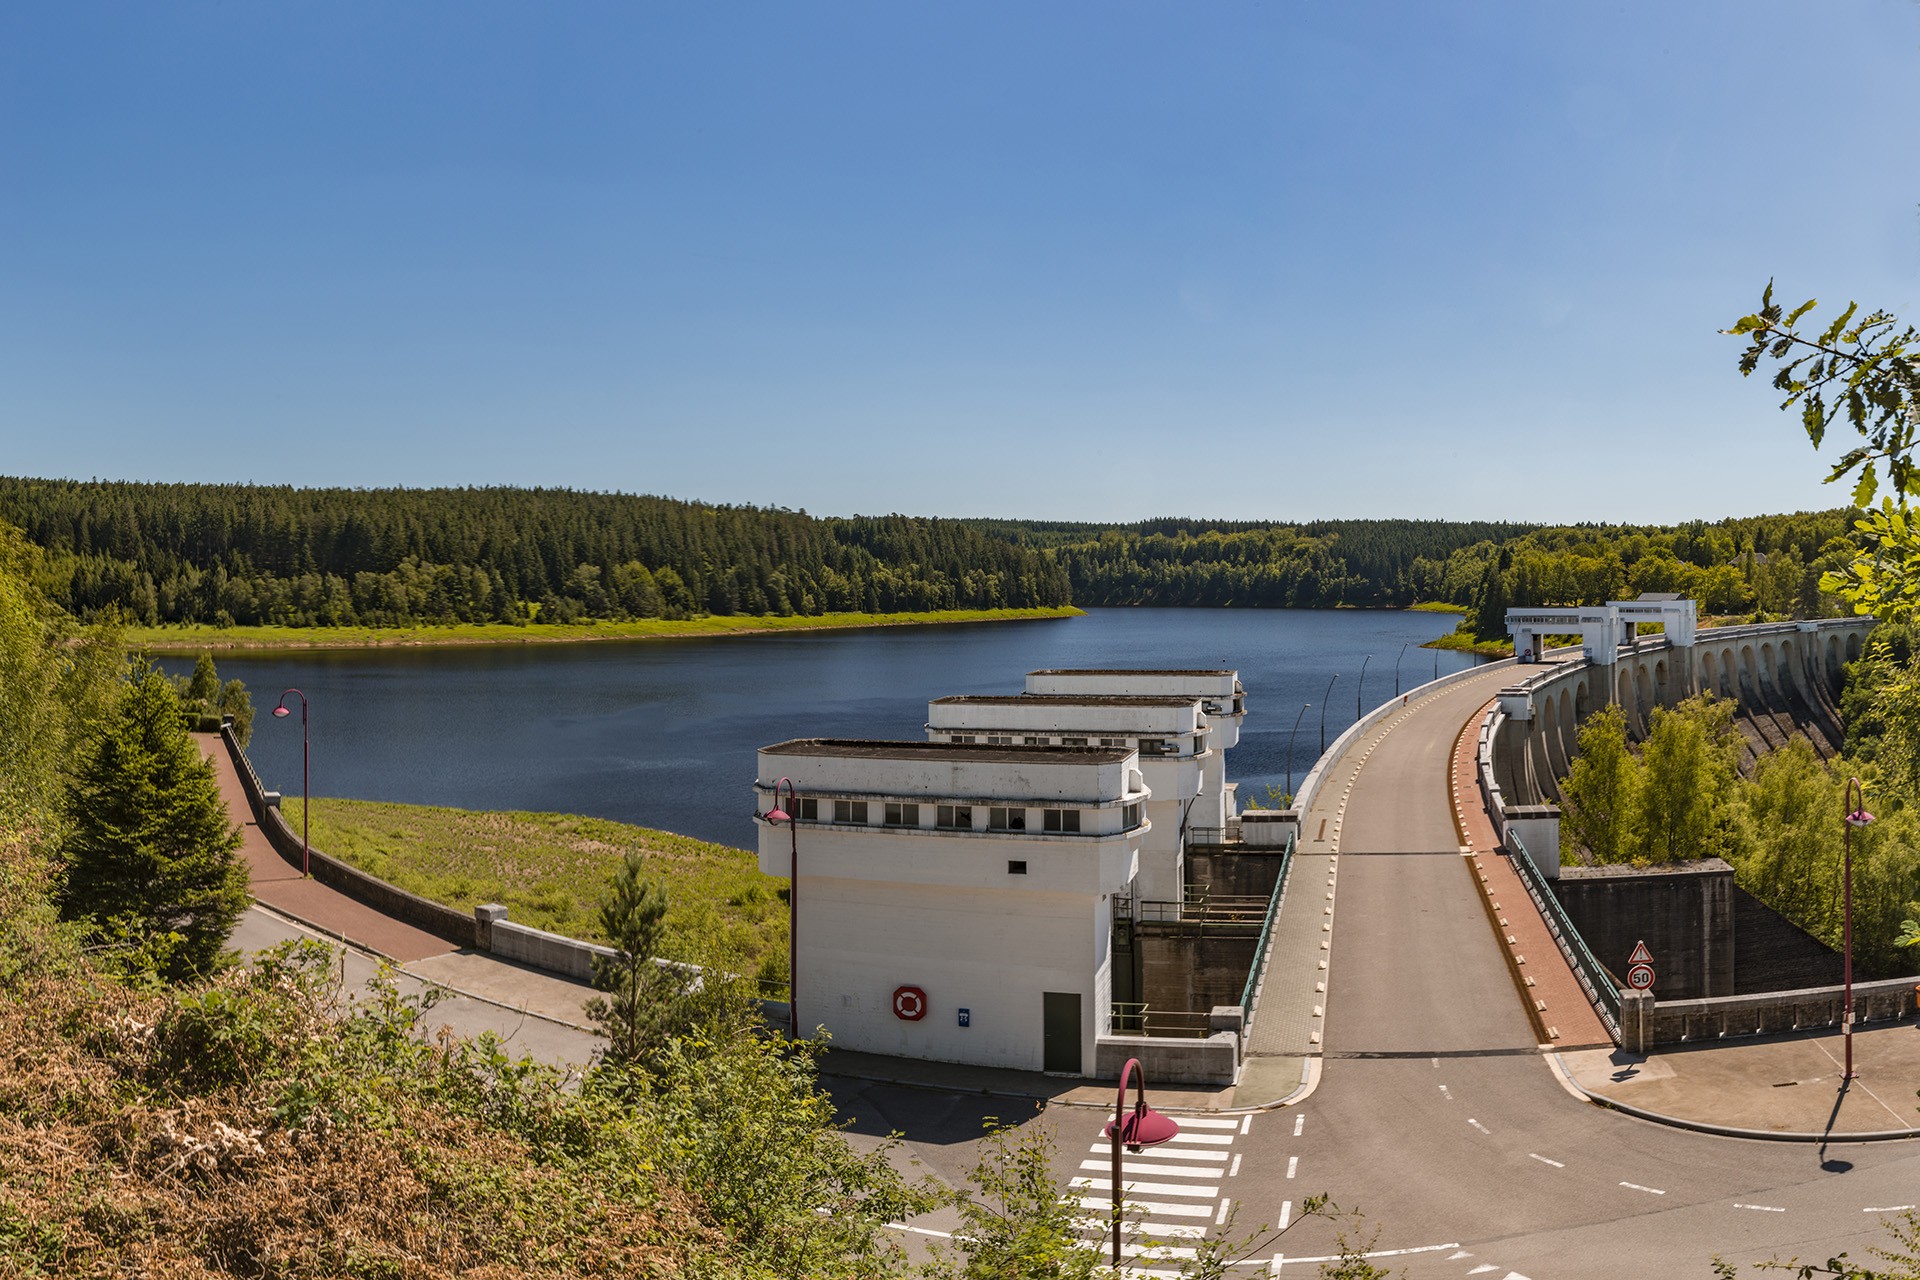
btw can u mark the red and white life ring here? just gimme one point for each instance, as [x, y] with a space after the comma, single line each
[909, 1004]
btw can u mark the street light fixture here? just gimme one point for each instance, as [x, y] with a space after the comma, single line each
[306, 804]
[1323, 713]
[1141, 1128]
[791, 816]
[1396, 668]
[1296, 729]
[1857, 816]
[1360, 688]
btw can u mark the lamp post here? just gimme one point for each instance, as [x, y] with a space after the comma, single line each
[1141, 1128]
[1323, 713]
[1296, 729]
[1360, 688]
[791, 816]
[1396, 668]
[306, 804]
[1857, 816]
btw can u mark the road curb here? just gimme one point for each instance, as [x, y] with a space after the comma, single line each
[1718, 1130]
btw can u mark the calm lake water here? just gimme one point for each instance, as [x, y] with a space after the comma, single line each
[663, 733]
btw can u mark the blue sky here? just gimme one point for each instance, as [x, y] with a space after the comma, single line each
[1079, 261]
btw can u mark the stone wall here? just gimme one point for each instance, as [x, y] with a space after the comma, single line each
[1235, 873]
[1772, 953]
[1184, 971]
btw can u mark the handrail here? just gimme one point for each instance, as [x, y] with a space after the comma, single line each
[1593, 976]
[1266, 932]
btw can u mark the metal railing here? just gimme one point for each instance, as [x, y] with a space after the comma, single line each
[1202, 907]
[1136, 1018]
[1214, 835]
[1266, 932]
[1593, 976]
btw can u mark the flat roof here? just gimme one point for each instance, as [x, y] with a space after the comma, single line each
[966, 752]
[1130, 671]
[1068, 700]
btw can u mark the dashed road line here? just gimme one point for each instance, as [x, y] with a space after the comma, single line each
[1234, 1170]
[1220, 1219]
[1299, 1122]
[1762, 1208]
[1891, 1208]
[1286, 1214]
[1293, 1165]
[1555, 1163]
[1476, 1124]
[1246, 1123]
[1634, 1186]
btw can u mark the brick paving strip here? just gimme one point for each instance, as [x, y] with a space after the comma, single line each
[278, 884]
[1554, 999]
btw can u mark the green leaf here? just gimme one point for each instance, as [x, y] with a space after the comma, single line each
[1839, 325]
[1801, 310]
[1864, 487]
[1747, 324]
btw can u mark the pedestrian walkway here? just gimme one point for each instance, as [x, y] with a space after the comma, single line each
[1171, 1194]
[1555, 1001]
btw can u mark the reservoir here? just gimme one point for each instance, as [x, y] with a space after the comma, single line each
[663, 732]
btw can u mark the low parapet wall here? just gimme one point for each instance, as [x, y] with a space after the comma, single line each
[553, 952]
[1646, 1022]
[445, 922]
[1214, 1060]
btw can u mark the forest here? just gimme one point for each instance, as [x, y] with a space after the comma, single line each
[250, 555]
[259, 554]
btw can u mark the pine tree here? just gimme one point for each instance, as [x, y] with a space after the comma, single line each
[152, 859]
[638, 1007]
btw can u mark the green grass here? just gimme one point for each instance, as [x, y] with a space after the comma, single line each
[1439, 606]
[551, 871]
[1464, 641]
[194, 638]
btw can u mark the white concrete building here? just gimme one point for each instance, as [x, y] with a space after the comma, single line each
[954, 899]
[1172, 737]
[1223, 708]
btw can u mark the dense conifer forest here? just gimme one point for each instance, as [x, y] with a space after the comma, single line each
[255, 554]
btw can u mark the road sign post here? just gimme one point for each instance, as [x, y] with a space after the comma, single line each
[1640, 973]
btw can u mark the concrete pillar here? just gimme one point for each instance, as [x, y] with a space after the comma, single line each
[483, 921]
[1538, 826]
[1636, 1022]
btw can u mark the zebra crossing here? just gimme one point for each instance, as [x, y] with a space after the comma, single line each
[1170, 1193]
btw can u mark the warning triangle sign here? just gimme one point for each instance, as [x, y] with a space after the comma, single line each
[1640, 954]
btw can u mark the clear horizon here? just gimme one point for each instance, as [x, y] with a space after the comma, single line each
[1096, 264]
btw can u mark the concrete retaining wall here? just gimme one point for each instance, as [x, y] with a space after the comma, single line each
[1683, 911]
[1645, 1022]
[553, 952]
[1214, 1060]
[455, 926]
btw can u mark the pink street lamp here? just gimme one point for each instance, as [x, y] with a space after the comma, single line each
[1141, 1128]
[1857, 816]
[306, 804]
[791, 816]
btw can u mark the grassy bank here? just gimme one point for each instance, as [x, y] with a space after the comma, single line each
[551, 871]
[1439, 606]
[1464, 641]
[195, 639]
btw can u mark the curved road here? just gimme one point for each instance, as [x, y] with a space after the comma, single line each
[1439, 1119]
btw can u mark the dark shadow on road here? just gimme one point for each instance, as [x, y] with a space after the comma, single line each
[1828, 1163]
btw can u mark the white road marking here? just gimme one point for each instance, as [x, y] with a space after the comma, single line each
[1436, 1064]
[1543, 1160]
[1150, 1170]
[1763, 1208]
[1476, 1124]
[1448, 1093]
[1220, 1219]
[1286, 1214]
[1458, 1254]
[1634, 1186]
[1205, 1139]
[1387, 1253]
[1208, 1122]
[1482, 1269]
[1234, 1172]
[1129, 1187]
[1246, 1123]
[1162, 1153]
[1298, 1122]
[1158, 1208]
[1293, 1165]
[1892, 1208]
[1513, 1275]
[1158, 1230]
[921, 1231]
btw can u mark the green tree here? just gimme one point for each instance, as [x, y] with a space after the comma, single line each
[152, 860]
[634, 918]
[1689, 763]
[1601, 792]
[1019, 1223]
[203, 688]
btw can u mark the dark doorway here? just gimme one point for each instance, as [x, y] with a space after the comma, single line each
[1061, 1015]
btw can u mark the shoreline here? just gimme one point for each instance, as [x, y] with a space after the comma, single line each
[195, 639]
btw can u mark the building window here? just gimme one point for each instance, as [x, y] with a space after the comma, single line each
[963, 737]
[1113, 742]
[1007, 819]
[1036, 742]
[999, 740]
[850, 811]
[903, 815]
[1016, 868]
[809, 811]
[1073, 742]
[1153, 746]
[955, 817]
[1062, 820]
[1130, 816]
